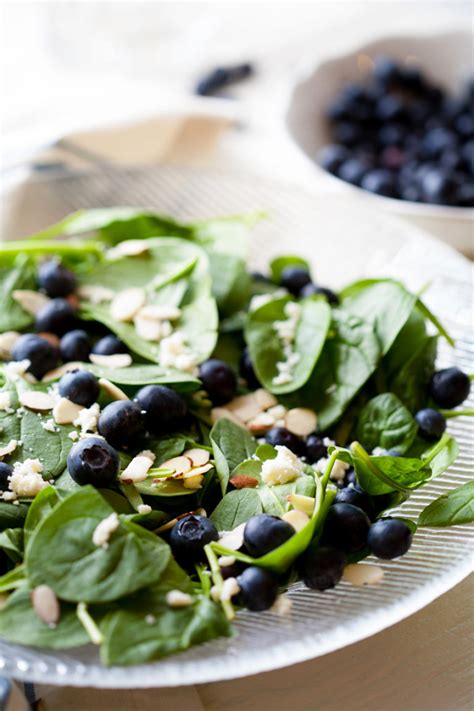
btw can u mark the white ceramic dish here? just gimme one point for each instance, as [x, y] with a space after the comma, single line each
[342, 244]
[446, 58]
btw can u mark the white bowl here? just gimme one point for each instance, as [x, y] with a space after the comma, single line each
[446, 58]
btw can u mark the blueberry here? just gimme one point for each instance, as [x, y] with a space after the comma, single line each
[93, 461]
[390, 108]
[464, 126]
[353, 170]
[263, 533]
[348, 133]
[346, 527]
[350, 477]
[431, 423]
[321, 568]
[75, 345]
[219, 380]
[355, 496]
[283, 437]
[42, 355]
[312, 289]
[315, 448]
[258, 589]
[439, 187]
[5, 472]
[389, 538]
[332, 157]
[391, 134]
[386, 71]
[449, 387]
[121, 423]
[379, 181]
[294, 278]
[80, 387]
[109, 345]
[392, 157]
[436, 141]
[247, 371]
[232, 571]
[58, 316]
[189, 536]
[55, 279]
[165, 410]
[465, 195]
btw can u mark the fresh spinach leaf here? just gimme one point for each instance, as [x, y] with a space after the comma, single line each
[19, 276]
[409, 340]
[41, 506]
[11, 542]
[266, 349]
[385, 422]
[12, 515]
[13, 579]
[236, 508]
[231, 445]
[410, 383]
[146, 374]
[450, 509]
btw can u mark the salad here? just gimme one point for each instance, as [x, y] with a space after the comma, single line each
[181, 437]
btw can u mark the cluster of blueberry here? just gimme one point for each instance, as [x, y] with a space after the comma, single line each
[57, 334]
[404, 137]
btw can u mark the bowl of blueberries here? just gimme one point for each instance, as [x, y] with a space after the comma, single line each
[393, 122]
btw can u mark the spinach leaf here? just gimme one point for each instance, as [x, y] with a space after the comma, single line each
[275, 498]
[450, 509]
[231, 285]
[146, 374]
[14, 579]
[11, 542]
[383, 302]
[146, 627]
[236, 508]
[266, 349]
[231, 445]
[278, 264]
[385, 422]
[349, 357]
[20, 624]
[62, 554]
[12, 515]
[427, 313]
[20, 276]
[411, 337]
[41, 506]
[410, 383]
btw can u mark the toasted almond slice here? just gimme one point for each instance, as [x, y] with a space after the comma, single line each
[31, 301]
[7, 341]
[302, 503]
[130, 248]
[127, 303]
[262, 423]
[245, 407]
[57, 373]
[160, 312]
[65, 411]
[180, 465]
[295, 518]
[361, 574]
[36, 400]
[46, 604]
[197, 456]
[137, 469]
[301, 421]
[195, 471]
[147, 328]
[234, 539]
[95, 293]
[242, 481]
[117, 360]
[112, 390]
[8, 448]
[217, 413]
[278, 412]
[265, 399]
[193, 482]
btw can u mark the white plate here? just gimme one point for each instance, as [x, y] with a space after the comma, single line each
[343, 241]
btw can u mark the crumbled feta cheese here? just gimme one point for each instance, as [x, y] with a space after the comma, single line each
[73, 435]
[144, 509]
[104, 530]
[175, 353]
[26, 479]
[49, 425]
[16, 369]
[9, 448]
[284, 468]
[328, 442]
[176, 598]
[286, 332]
[150, 619]
[87, 418]
[5, 402]
[338, 471]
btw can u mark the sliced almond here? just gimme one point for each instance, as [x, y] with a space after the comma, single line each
[361, 574]
[278, 412]
[160, 312]
[193, 482]
[176, 598]
[31, 301]
[130, 248]
[233, 540]
[117, 360]
[180, 465]
[262, 423]
[245, 407]
[147, 328]
[57, 373]
[8, 448]
[197, 456]
[126, 303]
[302, 503]
[242, 481]
[65, 411]
[137, 469]
[195, 471]
[301, 421]
[265, 399]
[46, 604]
[295, 518]
[95, 293]
[36, 400]
[219, 413]
[7, 341]
[112, 390]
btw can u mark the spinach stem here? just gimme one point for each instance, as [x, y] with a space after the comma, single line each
[218, 581]
[327, 473]
[204, 579]
[457, 413]
[49, 247]
[88, 623]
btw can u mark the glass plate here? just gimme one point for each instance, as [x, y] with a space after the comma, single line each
[343, 241]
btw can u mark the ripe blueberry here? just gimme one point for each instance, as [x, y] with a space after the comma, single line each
[58, 316]
[389, 538]
[80, 387]
[321, 568]
[109, 345]
[93, 461]
[75, 345]
[431, 423]
[121, 423]
[189, 536]
[449, 387]
[219, 380]
[42, 355]
[283, 437]
[165, 410]
[263, 533]
[346, 527]
[258, 589]
[55, 279]
[294, 278]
